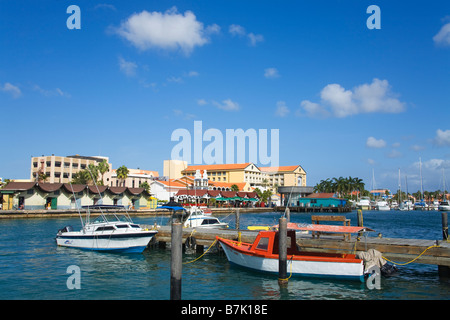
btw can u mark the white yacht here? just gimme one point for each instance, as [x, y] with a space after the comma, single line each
[108, 232]
[363, 203]
[406, 205]
[444, 206]
[382, 205]
[201, 218]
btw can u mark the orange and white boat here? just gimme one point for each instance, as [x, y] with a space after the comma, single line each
[263, 255]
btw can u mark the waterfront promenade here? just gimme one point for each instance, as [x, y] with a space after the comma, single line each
[23, 214]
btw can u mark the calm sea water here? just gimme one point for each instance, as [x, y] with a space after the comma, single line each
[33, 267]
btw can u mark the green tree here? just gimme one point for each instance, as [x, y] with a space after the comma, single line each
[122, 173]
[234, 188]
[102, 168]
[146, 186]
[81, 177]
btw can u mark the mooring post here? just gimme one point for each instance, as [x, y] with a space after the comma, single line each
[360, 221]
[444, 271]
[282, 251]
[288, 215]
[238, 219]
[444, 225]
[176, 261]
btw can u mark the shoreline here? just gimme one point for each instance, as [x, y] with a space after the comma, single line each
[30, 214]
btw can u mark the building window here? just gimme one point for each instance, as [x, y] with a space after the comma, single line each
[35, 164]
[58, 164]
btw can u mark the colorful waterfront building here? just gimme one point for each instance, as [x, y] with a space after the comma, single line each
[37, 195]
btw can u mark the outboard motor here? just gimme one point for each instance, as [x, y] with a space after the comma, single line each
[65, 229]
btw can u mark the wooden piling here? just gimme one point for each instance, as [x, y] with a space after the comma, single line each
[360, 221]
[288, 214]
[176, 261]
[282, 255]
[444, 271]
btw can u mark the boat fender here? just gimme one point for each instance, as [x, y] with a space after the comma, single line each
[388, 270]
[190, 242]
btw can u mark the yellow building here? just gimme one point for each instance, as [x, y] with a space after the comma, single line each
[265, 177]
[285, 176]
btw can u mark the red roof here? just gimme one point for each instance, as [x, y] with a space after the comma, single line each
[321, 195]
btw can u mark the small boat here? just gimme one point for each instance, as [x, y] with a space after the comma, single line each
[382, 205]
[262, 255]
[406, 205]
[193, 217]
[363, 203]
[444, 206]
[108, 232]
[198, 218]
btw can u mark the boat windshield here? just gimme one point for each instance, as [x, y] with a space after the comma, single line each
[111, 218]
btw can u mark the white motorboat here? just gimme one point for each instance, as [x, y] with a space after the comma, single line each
[108, 232]
[201, 218]
[382, 205]
[444, 206]
[406, 205]
[364, 203]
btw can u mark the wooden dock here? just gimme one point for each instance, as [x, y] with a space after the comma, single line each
[395, 249]
[320, 209]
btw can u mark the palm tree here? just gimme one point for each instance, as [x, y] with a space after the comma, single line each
[81, 177]
[122, 173]
[234, 188]
[102, 167]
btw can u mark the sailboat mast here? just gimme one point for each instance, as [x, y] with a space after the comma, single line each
[421, 181]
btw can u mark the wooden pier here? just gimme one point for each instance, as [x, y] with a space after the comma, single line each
[395, 249]
[320, 209]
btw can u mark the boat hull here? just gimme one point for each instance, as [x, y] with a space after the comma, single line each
[297, 266]
[112, 242]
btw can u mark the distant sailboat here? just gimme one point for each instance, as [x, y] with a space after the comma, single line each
[444, 204]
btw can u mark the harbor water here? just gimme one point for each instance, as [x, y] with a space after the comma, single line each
[33, 267]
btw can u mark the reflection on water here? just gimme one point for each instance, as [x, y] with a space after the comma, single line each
[33, 267]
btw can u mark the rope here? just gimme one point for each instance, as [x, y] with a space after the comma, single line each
[403, 264]
[203, 253]
[290, 275]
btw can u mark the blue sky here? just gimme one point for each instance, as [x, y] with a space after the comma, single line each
[346, 99]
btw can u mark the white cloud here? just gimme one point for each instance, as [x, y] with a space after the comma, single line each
[255, 38]
[443, 36]
[365, 98]
[51, 92]
[312, 110]
[11, 89]
[374, 143]
[282, 110]
[169, 30]
[271, 73]
[105, 6]
[442, 138]
[192, 74]
[417, 147]
[127, 67]
[237, 30]
[227, 105]
[202, 102]
[394, 154]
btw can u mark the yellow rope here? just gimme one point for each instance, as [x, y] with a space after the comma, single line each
[403, 264]
[290, 271]
[203, 253]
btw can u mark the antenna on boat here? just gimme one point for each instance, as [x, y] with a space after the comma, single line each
[76, 204]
